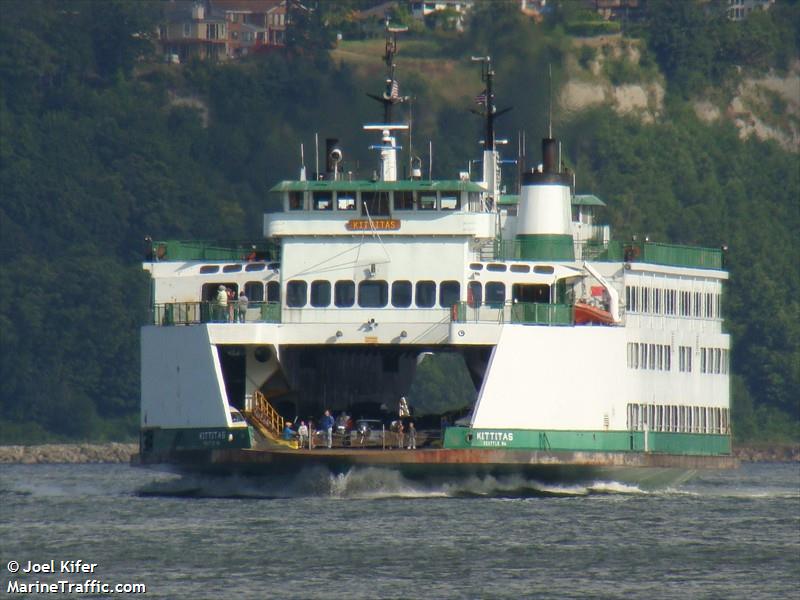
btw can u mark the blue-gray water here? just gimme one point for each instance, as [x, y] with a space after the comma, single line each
[371, 534]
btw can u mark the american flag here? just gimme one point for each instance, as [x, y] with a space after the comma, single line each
[481, 98]
[395, 90]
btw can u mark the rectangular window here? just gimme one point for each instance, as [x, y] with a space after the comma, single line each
[254, 290]
[709, 306]
[187, 30]
[449, 293]
[643, 353]
[296, 200]
[404, 200]
[401, 294]
[657, 301]
[474, 294]
[426, 201]
[345, 201]
[703, 364]
[373, 294]
[320, 293]
[296, 294]
[698, 304]
[425, 296]
[652, 357]
[344, 294]
[717, 360]
[495, 294]
[450, 201]
[322, 200]
[646, 300]
[375, 204]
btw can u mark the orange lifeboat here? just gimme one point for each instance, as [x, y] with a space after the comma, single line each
[586, 314]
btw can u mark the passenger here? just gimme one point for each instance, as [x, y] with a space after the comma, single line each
[221, 304]
[326, 424]
[399, 434]
[411, 436]
[231, 304]
[242, 306]
[288, 432]
[302, 433]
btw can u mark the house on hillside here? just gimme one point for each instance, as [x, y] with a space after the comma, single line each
[220, 30]
[739, 10]
[459, 8]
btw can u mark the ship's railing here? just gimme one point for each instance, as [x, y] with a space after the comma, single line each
[264, 412]
[616, 251]
[529, 313]
[181, 250]
[193, 313]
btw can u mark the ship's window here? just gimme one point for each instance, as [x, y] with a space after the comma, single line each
[476, 266]
[495, 293]
[427, 201]
[401, 294]
[404, 200]
[520, 268]
[210, 290]
[322, 200]
[474, 294]
[345, 201]
[667, 358]
[296, 294]
[344, 294]
[544, 269]
[450, 201]
[449, 293]
[497, 267]
[273, 291]
[208, 269]
[425, 296]
[320, 293]
[657, 301]
[373, 294]
[254, 290]
[255, 267]
[645, 300]
[538, 293]
[375, 204]
[231, 268]
[697, 304]
[296, 200]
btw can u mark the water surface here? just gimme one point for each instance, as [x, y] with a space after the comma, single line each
[372, 534]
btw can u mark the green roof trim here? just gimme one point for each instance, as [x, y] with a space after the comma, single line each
[587, 200]
[577, 200]
[366, 185]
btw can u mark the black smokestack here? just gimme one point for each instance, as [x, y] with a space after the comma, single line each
[549, 155]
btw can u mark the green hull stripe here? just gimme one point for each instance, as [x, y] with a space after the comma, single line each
[202, 438]
[604, 441]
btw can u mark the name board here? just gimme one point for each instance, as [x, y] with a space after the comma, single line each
[379, 224]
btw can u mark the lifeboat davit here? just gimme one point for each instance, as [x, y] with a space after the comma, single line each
[586, 314]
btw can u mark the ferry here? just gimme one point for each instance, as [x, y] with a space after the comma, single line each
[592, 358]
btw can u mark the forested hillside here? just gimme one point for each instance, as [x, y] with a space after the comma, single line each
[102, 144]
